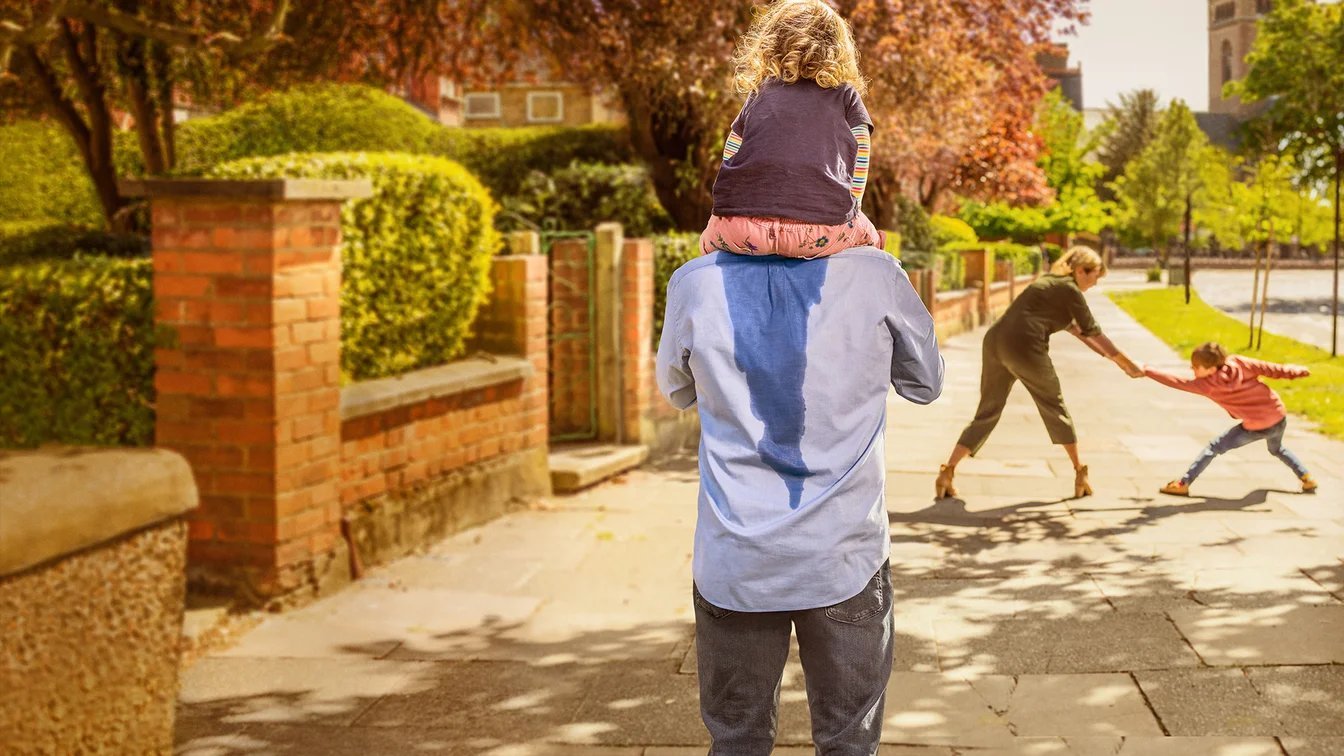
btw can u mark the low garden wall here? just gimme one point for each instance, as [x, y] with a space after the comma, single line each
[304, 481]
[92, 559]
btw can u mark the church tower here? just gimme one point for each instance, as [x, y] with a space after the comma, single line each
[1231, 34]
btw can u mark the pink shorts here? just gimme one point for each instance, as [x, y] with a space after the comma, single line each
[752, 235]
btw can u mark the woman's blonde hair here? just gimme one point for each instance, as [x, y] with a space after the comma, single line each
[797, 39]
[1078, 258]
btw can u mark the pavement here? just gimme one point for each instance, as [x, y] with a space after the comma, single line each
[1298, 304]
[1027, 623]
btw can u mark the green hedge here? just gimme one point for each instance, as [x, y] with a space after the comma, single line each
[949, 230]
[583, 195]
[416, 255]
[28, 241]
[77, 352]
[503, 158]
[313, 118]
[43, 177]
[670, 251]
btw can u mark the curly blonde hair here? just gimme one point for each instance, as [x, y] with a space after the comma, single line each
[797, 39]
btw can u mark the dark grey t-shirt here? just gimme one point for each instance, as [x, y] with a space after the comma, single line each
[797, 155]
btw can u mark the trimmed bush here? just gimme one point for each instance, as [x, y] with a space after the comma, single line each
[996, 220]
[912, 223]
[29, 241]
[670, 251]
[416, 255]
[504, 158]
[313, 118]
[42, 176]
[77, 353]
[583, 195]
[947, 230]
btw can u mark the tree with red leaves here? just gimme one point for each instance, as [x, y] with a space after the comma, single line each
[954, 87]
[88, 64]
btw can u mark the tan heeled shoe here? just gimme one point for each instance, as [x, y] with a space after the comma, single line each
[1081, 487]
[942, 487]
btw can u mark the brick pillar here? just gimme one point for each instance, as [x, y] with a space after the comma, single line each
[513, 322]
[247, 275]
[636, 341]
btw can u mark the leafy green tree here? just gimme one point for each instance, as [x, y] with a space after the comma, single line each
[1162, 187]
[1068, 171]
[1297, 64]
[1128, 128]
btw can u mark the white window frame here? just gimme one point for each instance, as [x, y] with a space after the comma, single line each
[467, 112]
[559, 107]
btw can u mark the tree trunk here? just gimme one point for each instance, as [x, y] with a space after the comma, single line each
[1189, 201]
[1334, 300]
[666, 152]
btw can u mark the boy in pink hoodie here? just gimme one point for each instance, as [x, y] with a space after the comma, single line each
[1233, 382]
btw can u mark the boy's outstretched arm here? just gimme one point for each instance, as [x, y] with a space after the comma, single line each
[916, 364]
[1272, 369]
[1193, 385]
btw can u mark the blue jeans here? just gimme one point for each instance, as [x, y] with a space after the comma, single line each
[1238, 436]
[846, 650]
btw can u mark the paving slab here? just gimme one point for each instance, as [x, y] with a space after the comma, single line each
[234, 690]
[1207, 702]
[1050, 746]
[1200, 746]
[1080, 704]
[507, 702]
[1104, 643]
[1313, 746]
[372, 621]
[1310, 700]
[1229, 637]
[937, 709]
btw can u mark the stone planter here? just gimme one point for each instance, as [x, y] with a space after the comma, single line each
[92, 582]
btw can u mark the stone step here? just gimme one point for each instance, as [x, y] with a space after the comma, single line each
[577, 466]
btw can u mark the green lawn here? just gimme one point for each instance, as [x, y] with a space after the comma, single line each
[1319, 397]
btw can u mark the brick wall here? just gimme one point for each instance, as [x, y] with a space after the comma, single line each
[249, 392]
[421, 469]
[637, 383]
[572, 335]
[291, 471]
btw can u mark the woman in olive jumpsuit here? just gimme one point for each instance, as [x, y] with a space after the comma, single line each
[1017, 348]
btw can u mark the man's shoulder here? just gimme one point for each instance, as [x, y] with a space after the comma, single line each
[861, 261]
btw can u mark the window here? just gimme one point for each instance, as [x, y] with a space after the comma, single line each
[482, 105]
[1264, 6]
[545, 107]
[1227, 61]
[1224, 12]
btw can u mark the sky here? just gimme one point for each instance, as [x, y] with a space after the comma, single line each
[1135, 44]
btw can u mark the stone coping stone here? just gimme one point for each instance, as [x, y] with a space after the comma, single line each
[58, 500]
[249, 189]
[378, 395]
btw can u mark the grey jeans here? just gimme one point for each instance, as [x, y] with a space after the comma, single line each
[846, 650]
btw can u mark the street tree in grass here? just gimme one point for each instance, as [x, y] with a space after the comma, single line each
[1069, 172]
[1161, 188]
[90, 64]
[1128, 128]
[1297, 66]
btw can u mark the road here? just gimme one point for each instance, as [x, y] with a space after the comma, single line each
[1299, 300]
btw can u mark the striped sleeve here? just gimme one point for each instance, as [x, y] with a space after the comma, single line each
[731, 145]
[860, 178]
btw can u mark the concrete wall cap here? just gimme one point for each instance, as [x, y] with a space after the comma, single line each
[58, 500]
[369, 397]
[248, 189]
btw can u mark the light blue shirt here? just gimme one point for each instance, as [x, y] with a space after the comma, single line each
[789, 361]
